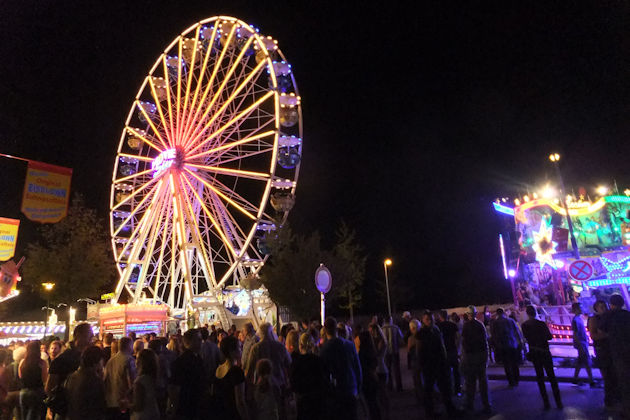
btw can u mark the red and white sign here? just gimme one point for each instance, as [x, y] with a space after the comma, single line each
[581, 270]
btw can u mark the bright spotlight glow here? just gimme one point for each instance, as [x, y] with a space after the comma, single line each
[559, 264]
[548, 191]
[602, 190]
[512, 272]
[554, 157]
[388, 262]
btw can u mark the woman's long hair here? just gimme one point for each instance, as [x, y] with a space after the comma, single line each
[33, 354]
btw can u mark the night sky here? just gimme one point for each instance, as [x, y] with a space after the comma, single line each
[415, 118]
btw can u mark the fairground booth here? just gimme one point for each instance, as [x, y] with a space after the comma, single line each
[121, 319]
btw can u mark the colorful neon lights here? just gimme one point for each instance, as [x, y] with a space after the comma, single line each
[505, 272]
[503, 209]
[544, 246]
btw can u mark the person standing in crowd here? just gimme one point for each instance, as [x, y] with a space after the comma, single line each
[292, 343]
[580, 342]
[210, 355]
[432, 357]
[601, 343]
[68, 361]
[475, 360]
[413, 362]
[616, 323]
[188, 381]
[506, 338]
[248, 343]
[120, 372]
[163, 373]
[270, 348]
[230, 384]
[138, 346]
[341, 365]
[450, 334]
[369, 386]
[381, 369]
[537, 335]
[307, 380]
[145, 405]
[33, 373]
[107, 347]
[267, 392]
[393, 338]
[86, 389]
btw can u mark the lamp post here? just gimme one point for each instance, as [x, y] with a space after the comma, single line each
[48, 288]
[387, 263]
[555, 159]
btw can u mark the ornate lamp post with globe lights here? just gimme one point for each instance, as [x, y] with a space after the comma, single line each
[555, 159]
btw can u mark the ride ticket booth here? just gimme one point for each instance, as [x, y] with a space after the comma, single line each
[141, 318]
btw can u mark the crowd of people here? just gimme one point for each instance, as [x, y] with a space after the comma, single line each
[306, 371]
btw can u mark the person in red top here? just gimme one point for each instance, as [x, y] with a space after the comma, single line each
[537, 335]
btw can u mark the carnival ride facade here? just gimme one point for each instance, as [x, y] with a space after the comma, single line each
[212, 141]
[539, 256]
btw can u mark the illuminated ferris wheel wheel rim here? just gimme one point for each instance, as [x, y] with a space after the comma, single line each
[171, 167]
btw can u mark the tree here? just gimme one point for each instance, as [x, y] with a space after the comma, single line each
[289, 273]
[347, 266]
[74, 254]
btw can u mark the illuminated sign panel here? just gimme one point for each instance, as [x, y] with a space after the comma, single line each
[164, 161]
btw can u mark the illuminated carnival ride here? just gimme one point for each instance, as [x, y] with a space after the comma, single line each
[214, 136]
[540, 260]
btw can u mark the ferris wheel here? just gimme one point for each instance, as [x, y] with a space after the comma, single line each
[213, 137]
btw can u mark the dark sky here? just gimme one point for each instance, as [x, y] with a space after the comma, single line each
[415, 117]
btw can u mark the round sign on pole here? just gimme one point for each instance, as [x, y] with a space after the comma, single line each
[581, 270]
[323, 279]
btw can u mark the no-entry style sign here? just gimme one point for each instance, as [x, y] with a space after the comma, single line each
[581, 270]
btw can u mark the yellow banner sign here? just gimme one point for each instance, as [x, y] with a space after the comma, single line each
[46, 192]
[8, 237]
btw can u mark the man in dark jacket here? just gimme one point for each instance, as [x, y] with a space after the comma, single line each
[432, 358]
[617, 324]
[537, 335]
[475, 360]
[507, 341]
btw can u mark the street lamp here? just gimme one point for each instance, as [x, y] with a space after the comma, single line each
[387, 263]
[48, 288]
[555, 159]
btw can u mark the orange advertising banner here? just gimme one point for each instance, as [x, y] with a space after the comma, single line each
[8, 237]
[46, 192]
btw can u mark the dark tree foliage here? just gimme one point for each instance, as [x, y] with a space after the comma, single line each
[74, 253]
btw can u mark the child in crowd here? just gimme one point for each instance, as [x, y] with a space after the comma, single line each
[267, 393]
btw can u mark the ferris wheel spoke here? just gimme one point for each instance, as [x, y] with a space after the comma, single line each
[127, 199]
[258, 176]
[242, 156]
[151, 234]
[153, 127]
[231, 145]
[236, 93]
[226, 78]
[202, 71]
[213, 75]
[225, 197]
[191, 73]
[139, 157]
[239, 116]
[143, 138]
[196, 233]
[139, 207]
[260, 126]
[132, 176]
[169, 99]
[212, 218]
[158, 103]
[193, 136]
